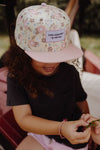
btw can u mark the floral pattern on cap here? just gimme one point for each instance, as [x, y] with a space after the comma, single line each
[33, 24]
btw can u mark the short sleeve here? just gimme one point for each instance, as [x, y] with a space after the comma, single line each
[81, 95]
[16, 94]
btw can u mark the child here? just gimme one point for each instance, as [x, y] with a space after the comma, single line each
[45, 93]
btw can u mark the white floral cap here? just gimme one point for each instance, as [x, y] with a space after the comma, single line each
[42, 31]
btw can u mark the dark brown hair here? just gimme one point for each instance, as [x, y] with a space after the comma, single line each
[20, 67]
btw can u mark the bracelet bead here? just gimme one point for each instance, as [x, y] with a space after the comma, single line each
[61, 124]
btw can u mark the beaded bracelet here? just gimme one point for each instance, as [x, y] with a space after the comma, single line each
[61, 124]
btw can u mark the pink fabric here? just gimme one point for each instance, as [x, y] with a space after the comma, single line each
[70, 53]
[51, 144]
[3, 86]
[3, 89]
[3, 74]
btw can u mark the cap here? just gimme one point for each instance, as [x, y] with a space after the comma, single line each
[42, 31]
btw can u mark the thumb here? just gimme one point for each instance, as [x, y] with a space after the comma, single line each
[81, 123]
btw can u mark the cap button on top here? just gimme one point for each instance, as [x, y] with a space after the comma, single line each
[43, 4]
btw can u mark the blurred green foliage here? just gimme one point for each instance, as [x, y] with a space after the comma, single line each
[91, 43]
[91, 14]
[91, 19]
[3, 26]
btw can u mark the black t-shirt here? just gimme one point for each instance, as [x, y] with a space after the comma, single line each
[67, 89]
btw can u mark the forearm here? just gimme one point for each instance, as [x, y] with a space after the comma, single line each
[34, 124]
[39, 125]
[30, 123]
[83, 106]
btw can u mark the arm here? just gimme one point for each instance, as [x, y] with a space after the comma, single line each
[83, 106]
[31, 123]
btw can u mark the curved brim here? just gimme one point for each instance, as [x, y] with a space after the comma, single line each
[69, 53]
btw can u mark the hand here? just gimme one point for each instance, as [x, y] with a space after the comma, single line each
[95, 130]
[69, 131]
[93, 122]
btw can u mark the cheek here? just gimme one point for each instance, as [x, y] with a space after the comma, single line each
[37, 64]
[56, 65]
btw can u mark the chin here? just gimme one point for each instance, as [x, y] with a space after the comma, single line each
[48, 74]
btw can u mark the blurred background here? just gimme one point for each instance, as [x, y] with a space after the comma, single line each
[86, 21]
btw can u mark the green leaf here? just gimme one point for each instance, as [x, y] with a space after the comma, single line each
[92, 124]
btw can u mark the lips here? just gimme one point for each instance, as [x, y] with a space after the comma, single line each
[49, 69]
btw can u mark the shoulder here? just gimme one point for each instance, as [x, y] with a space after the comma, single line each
[14, 85]
[69, 71]
[12, 81]
[11, 78]
[16, 94]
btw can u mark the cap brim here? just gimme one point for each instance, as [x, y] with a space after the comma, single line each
[69, 53]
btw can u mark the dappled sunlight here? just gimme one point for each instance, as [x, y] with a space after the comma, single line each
[4, 44]
[91, 43]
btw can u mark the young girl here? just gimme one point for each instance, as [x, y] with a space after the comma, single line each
[45, 93]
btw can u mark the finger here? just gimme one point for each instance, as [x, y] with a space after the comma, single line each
[82, 135]
[91, 119]
[93, 123]
[87, 117]
[82, 116]
[97, 130]
[80, 123]
[84, 140]
[98, 124]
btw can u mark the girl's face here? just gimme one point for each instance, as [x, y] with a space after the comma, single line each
[45, 68]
